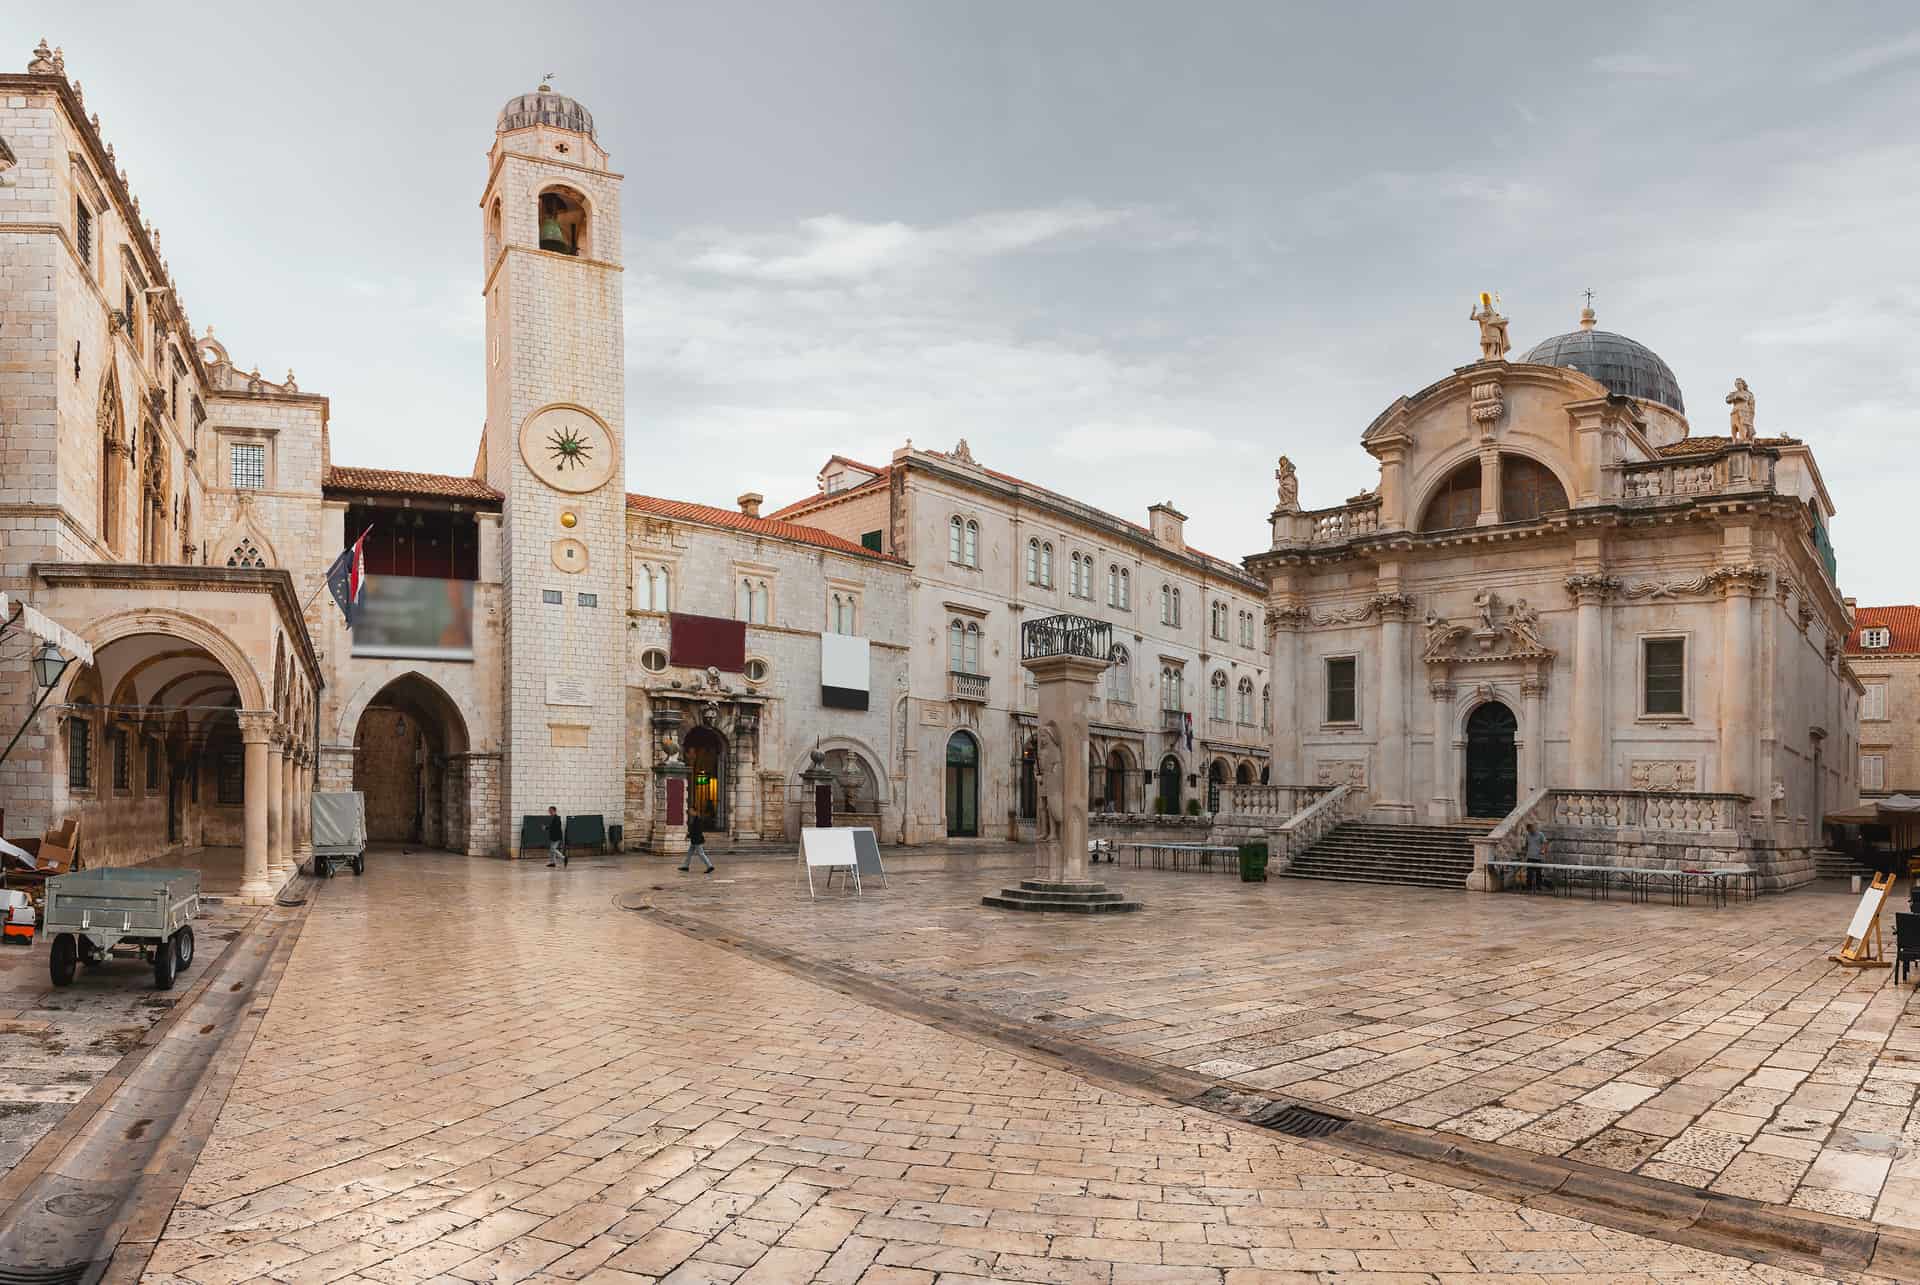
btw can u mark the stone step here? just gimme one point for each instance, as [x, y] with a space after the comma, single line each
[1408, 855]
[1010, 900]
[1394, 881]
[1381, 871]
[1041, 894]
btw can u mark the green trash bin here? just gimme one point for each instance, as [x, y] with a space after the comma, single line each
[1253, 862]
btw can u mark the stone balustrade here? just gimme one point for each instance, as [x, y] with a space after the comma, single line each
[1307, 827]
[1268, 800]
[1739, 468]
[1327, 526]
[1666, 812]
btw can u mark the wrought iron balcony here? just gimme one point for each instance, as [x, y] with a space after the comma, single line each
[1066, 635]
[967, 687]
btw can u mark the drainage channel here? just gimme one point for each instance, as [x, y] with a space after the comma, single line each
[64, 1226]
[1851, 1248]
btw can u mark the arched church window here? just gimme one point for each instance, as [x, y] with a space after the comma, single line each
[1528, 490]
[563, 221]
[1457, 502]
[245, 554]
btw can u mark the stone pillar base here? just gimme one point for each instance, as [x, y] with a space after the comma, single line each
[1072, 896]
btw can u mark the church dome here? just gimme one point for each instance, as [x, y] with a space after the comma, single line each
[544, 107]
[1626, 366]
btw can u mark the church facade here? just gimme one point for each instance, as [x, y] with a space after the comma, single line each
[1554, 595]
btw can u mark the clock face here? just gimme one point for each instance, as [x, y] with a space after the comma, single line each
[568, 448]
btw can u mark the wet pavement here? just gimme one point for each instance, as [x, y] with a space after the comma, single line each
[1714, 1048]
[486, 1071]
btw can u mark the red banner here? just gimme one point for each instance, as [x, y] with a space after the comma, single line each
[708, 642]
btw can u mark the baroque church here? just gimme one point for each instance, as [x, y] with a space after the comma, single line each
[1554, 602]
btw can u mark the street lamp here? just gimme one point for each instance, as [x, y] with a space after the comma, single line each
[48, 665]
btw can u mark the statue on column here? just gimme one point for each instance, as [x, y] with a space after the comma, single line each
[1048, 772]
[1493, 329]
[1741, 400]
[1288, 483]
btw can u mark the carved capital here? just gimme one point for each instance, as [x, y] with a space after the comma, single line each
[1533, 685]
[1393, 606]
[1440, 691]
[1740, 581]
[256, 725]
[1291, 616]
[1592, 588]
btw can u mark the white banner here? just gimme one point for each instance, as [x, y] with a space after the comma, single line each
[844, 662]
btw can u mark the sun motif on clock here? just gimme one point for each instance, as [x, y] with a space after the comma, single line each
[569, 448]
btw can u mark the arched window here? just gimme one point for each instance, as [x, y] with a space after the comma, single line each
[963, 542]
[563, 221]
[112, 449]
[1217, 696]
[754, 600]
[1528, 490]
[1170, 685]
[651, 590]
[1126, 589]
[1457, 502]
[1046, 565]
[963, 646]
[1166, 604]
[1076, 577]
[956, 538]
[1175, 622]
[973, 543]
[1245, 711]
[1219, 620]
[1033, 561]
[1118, 772]
[843, 619]
[1120, 676]
[493, 233]
[1113, 585]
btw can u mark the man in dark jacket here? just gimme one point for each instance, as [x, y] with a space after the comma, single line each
[697, 844]
[556, 854]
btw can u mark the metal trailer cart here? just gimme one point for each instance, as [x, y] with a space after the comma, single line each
[93, 915]
[339, 832]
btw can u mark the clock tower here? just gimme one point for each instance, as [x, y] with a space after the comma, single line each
[555, 448]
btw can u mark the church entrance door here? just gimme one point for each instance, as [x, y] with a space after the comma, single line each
[1493, 762]
[707, 784]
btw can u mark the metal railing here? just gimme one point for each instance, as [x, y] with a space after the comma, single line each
[1066, 635]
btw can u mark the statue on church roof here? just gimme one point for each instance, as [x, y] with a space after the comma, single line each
[962, 453]
[1741, 400]
[1493, 329]
[1289, 484]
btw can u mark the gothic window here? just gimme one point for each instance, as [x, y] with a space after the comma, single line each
[963, 646]
[107, 423]
[1166, 604]
[1120, 676]
[1217, 696]
[1170, 688]
[841, 616]
[652, 588]
[1113, 586]
[1033, 561]
[754, 600]
[247, 468]
[963, 542]
[1220, 620]
[246, 555]
[1046, 566]
[1081, 582]
[1246, 702]
[563, 221]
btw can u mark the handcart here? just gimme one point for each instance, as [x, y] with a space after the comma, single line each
[94, 915]
[339, 832]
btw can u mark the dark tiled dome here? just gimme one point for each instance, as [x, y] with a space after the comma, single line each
[544, 108]
[1626, 366]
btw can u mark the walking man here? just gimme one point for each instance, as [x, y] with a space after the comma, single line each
[697, 844]
[1536, 852]
[556, 854]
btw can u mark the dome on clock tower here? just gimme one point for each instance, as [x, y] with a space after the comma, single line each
[544, 107]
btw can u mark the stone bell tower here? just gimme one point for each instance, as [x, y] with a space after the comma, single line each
[555, 447]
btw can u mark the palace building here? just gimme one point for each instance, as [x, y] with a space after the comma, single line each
[1553, 602]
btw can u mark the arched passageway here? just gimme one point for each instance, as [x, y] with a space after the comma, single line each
[404, 745]
[706, 753]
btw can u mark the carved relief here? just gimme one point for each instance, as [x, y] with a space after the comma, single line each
[1518, 635]
[1664, 775]
[1590, 587]
[1341, 772]
[1388, 606]
[1706, 582]
[1488, 404]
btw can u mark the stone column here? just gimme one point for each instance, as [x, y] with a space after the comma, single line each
[1533, 774]
[1489, 486]
[276, 801]
[1737, 700]
[303, 809]
[1393, 799]
[1440, 808]
[256, 730]
[1067, 683]
[1283, 627]
[1589, 714]
[288, 806]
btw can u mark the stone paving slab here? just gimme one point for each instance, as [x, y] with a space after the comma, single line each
[1717, 1049]
[475, 1071]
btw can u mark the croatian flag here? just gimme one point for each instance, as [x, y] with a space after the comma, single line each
[1187, 719]
[347, 577]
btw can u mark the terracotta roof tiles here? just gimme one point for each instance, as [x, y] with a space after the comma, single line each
[1903, 622]
[381, 481]
[772, 528]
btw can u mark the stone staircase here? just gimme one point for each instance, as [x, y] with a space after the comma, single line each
[1074, 898]
[1828, 864]
[1427, 856]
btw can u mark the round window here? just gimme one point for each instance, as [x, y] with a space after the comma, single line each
[756, 671]
[653, 660]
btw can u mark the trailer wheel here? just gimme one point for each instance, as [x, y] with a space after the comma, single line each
[321, 870]
[359, 864]
[89, 956]
[183, 949]
[63, 959]
[163, 969]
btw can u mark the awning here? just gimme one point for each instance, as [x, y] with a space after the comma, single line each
[14, 613]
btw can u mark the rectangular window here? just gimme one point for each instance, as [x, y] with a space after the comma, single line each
[1873, 701]
[1664, 691]
[1343, 705]
[1873, 771]
[552, 597]
[1876, 638]
[83, 234]
[153, 765]
[122, 770]
[249, 466]
[871, 540]
[231, 789]
[589, 599]
[79, 753]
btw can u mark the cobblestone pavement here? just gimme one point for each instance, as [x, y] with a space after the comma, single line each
[477, 1071]
[1714, 1048]
[56, 1043]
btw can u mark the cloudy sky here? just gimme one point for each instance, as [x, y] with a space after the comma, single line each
[1130, 251]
